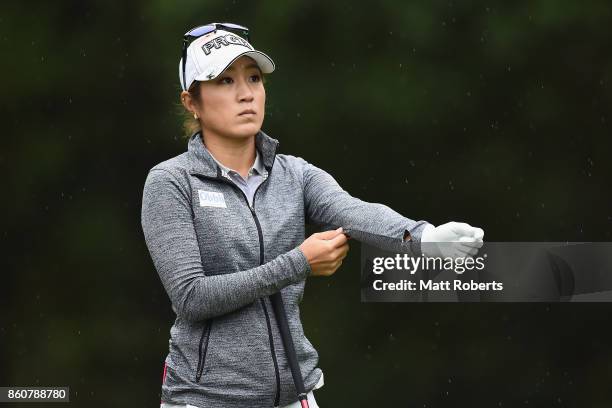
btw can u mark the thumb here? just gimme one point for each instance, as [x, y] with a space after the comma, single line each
[330, 234]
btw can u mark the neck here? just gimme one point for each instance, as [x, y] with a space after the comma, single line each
[236, 153]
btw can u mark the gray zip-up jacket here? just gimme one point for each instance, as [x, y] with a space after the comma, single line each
[220, 259]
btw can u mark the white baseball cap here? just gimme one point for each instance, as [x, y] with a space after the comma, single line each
[210, 54]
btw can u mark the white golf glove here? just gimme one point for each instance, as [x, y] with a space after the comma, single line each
[466, 240]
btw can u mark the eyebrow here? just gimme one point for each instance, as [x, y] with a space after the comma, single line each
[248, 66]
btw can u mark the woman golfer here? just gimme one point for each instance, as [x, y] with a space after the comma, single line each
[224, 224]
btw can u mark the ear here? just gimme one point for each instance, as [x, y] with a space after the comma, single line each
[188, 102]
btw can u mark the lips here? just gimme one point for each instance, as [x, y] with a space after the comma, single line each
[247, 112]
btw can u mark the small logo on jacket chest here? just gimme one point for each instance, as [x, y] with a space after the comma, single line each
[211, 199]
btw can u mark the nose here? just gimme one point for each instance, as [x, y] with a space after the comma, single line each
[245, 92]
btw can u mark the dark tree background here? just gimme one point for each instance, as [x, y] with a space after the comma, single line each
[495, 113]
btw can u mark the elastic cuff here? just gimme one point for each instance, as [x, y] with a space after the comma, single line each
[416, 232]
[300, 262]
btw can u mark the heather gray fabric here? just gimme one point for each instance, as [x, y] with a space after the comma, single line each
[225, 349]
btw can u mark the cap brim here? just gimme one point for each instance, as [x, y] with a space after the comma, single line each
[264, 62]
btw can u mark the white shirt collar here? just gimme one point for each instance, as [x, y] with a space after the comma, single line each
[256, 167]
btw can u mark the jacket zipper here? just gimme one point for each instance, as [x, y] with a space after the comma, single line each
[263, 303]
[202, 355]
[261, 262]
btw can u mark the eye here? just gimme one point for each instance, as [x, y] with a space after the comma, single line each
[256, 78]
[226, 80]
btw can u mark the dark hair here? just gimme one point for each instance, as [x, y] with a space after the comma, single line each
[191, 125]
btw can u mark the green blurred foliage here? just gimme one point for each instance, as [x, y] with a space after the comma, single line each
[494, 113]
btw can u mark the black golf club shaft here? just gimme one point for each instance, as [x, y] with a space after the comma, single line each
[283, 325]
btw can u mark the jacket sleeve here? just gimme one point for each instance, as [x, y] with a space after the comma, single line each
[170, 236]
[326, 203]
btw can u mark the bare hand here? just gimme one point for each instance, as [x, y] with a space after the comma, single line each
[325, 251]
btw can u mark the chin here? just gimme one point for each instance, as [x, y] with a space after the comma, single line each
[247, 130]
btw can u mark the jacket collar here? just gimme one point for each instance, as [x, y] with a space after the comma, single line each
[257, 165]
[202, 162]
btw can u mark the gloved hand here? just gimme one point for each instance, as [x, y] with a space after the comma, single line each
[435, 241]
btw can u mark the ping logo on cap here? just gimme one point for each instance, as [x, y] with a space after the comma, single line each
[224, 41]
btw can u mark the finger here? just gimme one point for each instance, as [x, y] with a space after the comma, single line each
[465, 230]
[345, 248]
[325, 264]
[466, 248]
[469, 252]
[331, 269]
[334, 266]
[341, 252]
[336, 253]
[469, 242]
[472, 251]
[478, 233]
[461, 229]
[338, 240]
[457, 254]
[329, 234]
